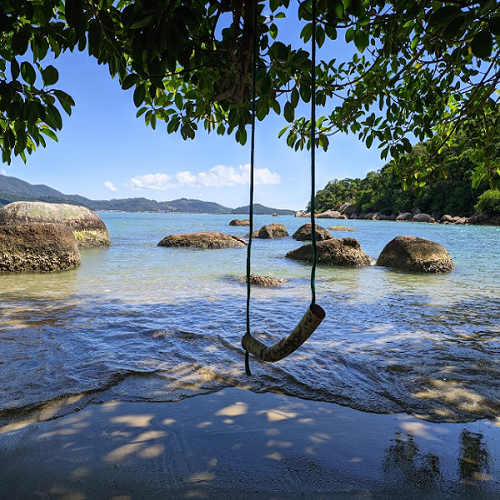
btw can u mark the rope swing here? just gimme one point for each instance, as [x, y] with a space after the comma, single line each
[315, 313]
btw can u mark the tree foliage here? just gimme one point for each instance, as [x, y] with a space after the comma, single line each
[383, 191]
[421, 69]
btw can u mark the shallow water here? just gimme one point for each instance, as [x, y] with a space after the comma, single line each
[140, 322]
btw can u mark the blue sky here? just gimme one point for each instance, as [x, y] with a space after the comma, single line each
[105, 152]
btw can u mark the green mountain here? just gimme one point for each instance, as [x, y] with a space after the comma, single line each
[259, 209]
[13, 189]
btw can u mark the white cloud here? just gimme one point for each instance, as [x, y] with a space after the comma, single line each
[186, 178]
[155, 182]
[221, 175]
[109, 185]
[218, 176]
[3, 171]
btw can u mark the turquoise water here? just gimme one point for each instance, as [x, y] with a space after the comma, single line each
[140, 322]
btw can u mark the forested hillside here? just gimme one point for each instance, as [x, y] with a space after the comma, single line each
[451, 190]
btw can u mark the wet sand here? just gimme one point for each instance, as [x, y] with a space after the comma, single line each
[239, 445]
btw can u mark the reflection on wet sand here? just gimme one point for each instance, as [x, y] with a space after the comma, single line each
[238, 444]
[474, 460]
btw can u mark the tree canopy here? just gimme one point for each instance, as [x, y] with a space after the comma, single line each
[420, 70]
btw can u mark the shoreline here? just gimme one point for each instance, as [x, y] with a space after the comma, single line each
[236, 444]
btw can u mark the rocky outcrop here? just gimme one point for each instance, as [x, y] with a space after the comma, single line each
[271, 231]
[485, 219]
[410, 253]
[347, 209]
[404, 216]
[341, 228]
[330, 214]
[239, 222]
[421, 217]
[264, 281]
[303, 233]
[37, 247]
[204, 240]
[301, 213]
[88, 228]
[333, 252]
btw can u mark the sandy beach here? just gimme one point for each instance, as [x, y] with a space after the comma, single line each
[235, 444]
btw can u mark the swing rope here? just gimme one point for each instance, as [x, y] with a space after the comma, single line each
[313, 155]
[252, 168]
[315, 314]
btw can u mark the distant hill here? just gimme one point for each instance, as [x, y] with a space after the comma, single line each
[259, 209]
[13, 189]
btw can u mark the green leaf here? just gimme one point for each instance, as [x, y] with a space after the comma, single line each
[320, 36]
[494, 25]
[349, 35]
[289, 112]
[94, 37]
[139, 95]
[482, 44]
[14, 69]
[280, 51]
[50, 75]
[142, 22]
[274, 4]
[74, 15]
[49, 133]
[306, 32]
[273, 31]
[129, 81]
[361, 40]
[28, 73]
[265, 86]
[54, 114]
[444, 15]
[335, 7]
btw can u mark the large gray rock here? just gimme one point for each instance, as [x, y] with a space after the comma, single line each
[341, 252]
[330, 214]
[205, 240]
[271, 231]
[347, 208]
[404, 216]
[239, 222]
[410, 253]
[88, 228]
[37, 247]
[421, 217]
[303, 233]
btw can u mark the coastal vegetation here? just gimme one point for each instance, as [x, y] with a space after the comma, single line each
[452, 189]
[423, 69]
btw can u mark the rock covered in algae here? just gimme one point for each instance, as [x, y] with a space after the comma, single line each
[87, 227]
[270, 231]
[37, 247]
[333, 252]
[204, 240]
[239, 222]
[264, 281]
[410, 253]
[303, 233]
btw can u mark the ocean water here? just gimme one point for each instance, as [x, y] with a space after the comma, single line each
[138, 322]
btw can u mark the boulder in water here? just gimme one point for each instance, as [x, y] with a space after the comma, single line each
[37, 247]
[333, 252]
[204, 240]
[410, 253]
[271, 231]
[88, 228]
[239, 222]
[303, 233]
